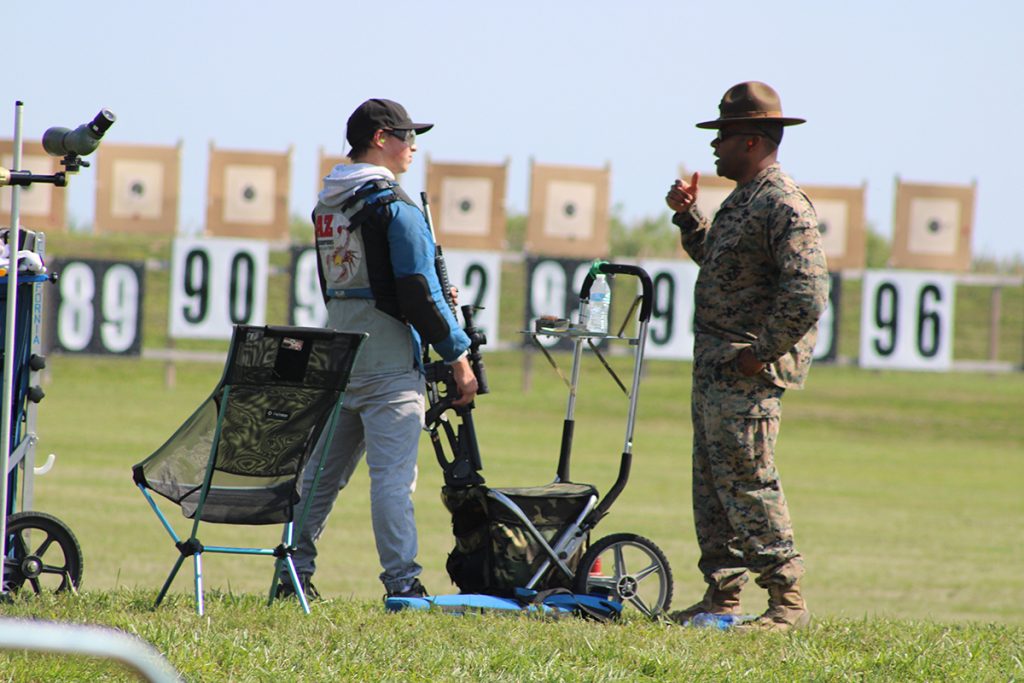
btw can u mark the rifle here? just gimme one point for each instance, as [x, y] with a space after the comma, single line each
[439, 265]
[463, 467]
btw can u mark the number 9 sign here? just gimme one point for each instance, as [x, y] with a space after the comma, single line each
[217, 283]
[306, 303]
[671, 330]
[907, 320]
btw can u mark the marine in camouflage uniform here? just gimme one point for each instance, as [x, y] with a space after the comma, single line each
[762, 285]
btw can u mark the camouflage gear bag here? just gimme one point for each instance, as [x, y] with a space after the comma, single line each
[495, 553]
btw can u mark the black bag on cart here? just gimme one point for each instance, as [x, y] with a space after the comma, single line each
[495, 553]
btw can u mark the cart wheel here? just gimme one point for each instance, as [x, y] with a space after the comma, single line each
[41, 551]
[629, 569]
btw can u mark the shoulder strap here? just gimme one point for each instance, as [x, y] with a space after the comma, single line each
[367, 199]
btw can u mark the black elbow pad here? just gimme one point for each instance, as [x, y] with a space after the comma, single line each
[419, 308]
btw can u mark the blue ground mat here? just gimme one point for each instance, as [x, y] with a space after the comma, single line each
[556, 604]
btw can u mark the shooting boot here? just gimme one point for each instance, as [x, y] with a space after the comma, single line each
[413, 589]
[715, 601]
[786, 610]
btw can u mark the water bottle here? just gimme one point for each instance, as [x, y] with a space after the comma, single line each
[722, 622]
[599, 305]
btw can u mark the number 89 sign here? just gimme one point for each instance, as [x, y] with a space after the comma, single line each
[907, 320]
[99, 306]
[217, 283]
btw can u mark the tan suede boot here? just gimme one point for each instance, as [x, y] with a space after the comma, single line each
[786, 610]
[715, 601]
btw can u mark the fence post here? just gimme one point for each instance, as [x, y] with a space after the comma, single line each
[995, 313]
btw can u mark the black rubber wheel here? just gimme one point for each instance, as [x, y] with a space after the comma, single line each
[628, 569]
[41, 552]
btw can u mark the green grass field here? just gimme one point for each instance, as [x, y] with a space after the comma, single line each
[905, 489]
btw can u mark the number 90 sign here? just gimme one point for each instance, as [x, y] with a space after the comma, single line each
[216, 284]
[907, 320]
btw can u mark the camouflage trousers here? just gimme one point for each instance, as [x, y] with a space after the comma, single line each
[739, 507]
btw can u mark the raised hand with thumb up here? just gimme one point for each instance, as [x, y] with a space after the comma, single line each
[682, 194]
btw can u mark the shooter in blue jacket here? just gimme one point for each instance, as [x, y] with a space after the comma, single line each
[377, 273]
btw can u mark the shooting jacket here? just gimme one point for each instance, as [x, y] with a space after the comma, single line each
[377, 272]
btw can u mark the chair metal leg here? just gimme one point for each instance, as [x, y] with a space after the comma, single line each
[198, 561]
[272, 595]
[167, 583]
[293, 575]
[299, 590]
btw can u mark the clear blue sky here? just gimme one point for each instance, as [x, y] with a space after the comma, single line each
[919, 90]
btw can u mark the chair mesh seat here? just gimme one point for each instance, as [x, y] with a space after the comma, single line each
[239, 458]
[277, 391]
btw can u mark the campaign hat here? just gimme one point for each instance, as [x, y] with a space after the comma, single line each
[750, 101]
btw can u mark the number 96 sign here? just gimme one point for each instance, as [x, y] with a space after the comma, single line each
[216, 284]
[907, 320]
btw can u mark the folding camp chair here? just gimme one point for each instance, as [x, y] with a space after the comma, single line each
[239, 458]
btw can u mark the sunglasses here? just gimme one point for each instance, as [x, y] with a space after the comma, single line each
[725, 135]
[406, 136]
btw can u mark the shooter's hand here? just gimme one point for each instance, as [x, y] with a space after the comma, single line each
[465, 380]
[454, 291]
[682, 195]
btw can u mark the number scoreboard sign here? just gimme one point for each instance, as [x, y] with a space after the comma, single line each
[305, 301]
[670, 333]
[907, 320]
[827, 346]
[216, 283]
[98, 306]
[477, 275]
[553, 288]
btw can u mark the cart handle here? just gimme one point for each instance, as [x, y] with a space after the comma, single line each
[614, 268]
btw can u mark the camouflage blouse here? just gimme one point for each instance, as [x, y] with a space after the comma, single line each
[763, 280]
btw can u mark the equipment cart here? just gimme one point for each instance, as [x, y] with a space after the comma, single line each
[41, 551]
[538, 538]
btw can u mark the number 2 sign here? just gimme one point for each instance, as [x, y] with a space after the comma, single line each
[215, 284]
[907, 320]
[477, 274]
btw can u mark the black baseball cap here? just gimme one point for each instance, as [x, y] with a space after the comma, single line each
[375, 114]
